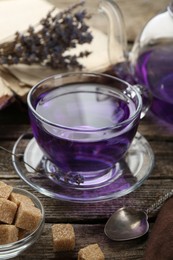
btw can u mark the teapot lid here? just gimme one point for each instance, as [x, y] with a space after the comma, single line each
[160, 26]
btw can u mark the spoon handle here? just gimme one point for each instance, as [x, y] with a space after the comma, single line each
[156, 206]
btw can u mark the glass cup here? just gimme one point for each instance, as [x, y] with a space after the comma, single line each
[84, 123]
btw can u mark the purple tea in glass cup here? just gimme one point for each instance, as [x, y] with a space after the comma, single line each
[84, 123]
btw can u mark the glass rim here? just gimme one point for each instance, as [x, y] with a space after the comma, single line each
[76, 129]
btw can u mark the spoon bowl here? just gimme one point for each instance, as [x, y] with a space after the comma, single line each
[126, 224]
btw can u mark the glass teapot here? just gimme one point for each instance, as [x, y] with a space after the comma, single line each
[151, 62]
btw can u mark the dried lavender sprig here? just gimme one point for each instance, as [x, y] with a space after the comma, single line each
[47, 46]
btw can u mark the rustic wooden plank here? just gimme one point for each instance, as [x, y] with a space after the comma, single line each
[93, 213]
[13, 131]
[85, 234]
[15, 113]
[89, 219]
[142, 198]
[155, 129]
[85, 217]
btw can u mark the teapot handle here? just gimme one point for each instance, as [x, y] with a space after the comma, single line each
[116, 30]
[146, 98]
[117, 35]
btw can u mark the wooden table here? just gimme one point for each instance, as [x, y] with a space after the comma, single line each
[89, 219]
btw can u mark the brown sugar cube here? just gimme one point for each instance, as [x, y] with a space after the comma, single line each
[91, 252]
[5, 190]
[23, 233]
[8, 234]
[7, 211]
[18, 198]
[28, 217]
[63, 237]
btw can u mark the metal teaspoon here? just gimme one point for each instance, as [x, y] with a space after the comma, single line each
[128, 223]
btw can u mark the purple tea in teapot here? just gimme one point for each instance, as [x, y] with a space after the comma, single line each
[152, 63]
[154, 69]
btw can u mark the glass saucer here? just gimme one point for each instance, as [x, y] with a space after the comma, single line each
[132, 170]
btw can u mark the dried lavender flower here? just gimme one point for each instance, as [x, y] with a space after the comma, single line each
[47, 46]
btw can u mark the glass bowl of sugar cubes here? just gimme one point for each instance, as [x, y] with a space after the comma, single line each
[22, 220]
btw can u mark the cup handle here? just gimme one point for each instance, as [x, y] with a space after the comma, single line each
[146, 98]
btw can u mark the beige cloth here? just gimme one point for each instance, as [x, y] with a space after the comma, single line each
[17, 15]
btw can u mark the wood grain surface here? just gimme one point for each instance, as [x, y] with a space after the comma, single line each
[89, 219]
